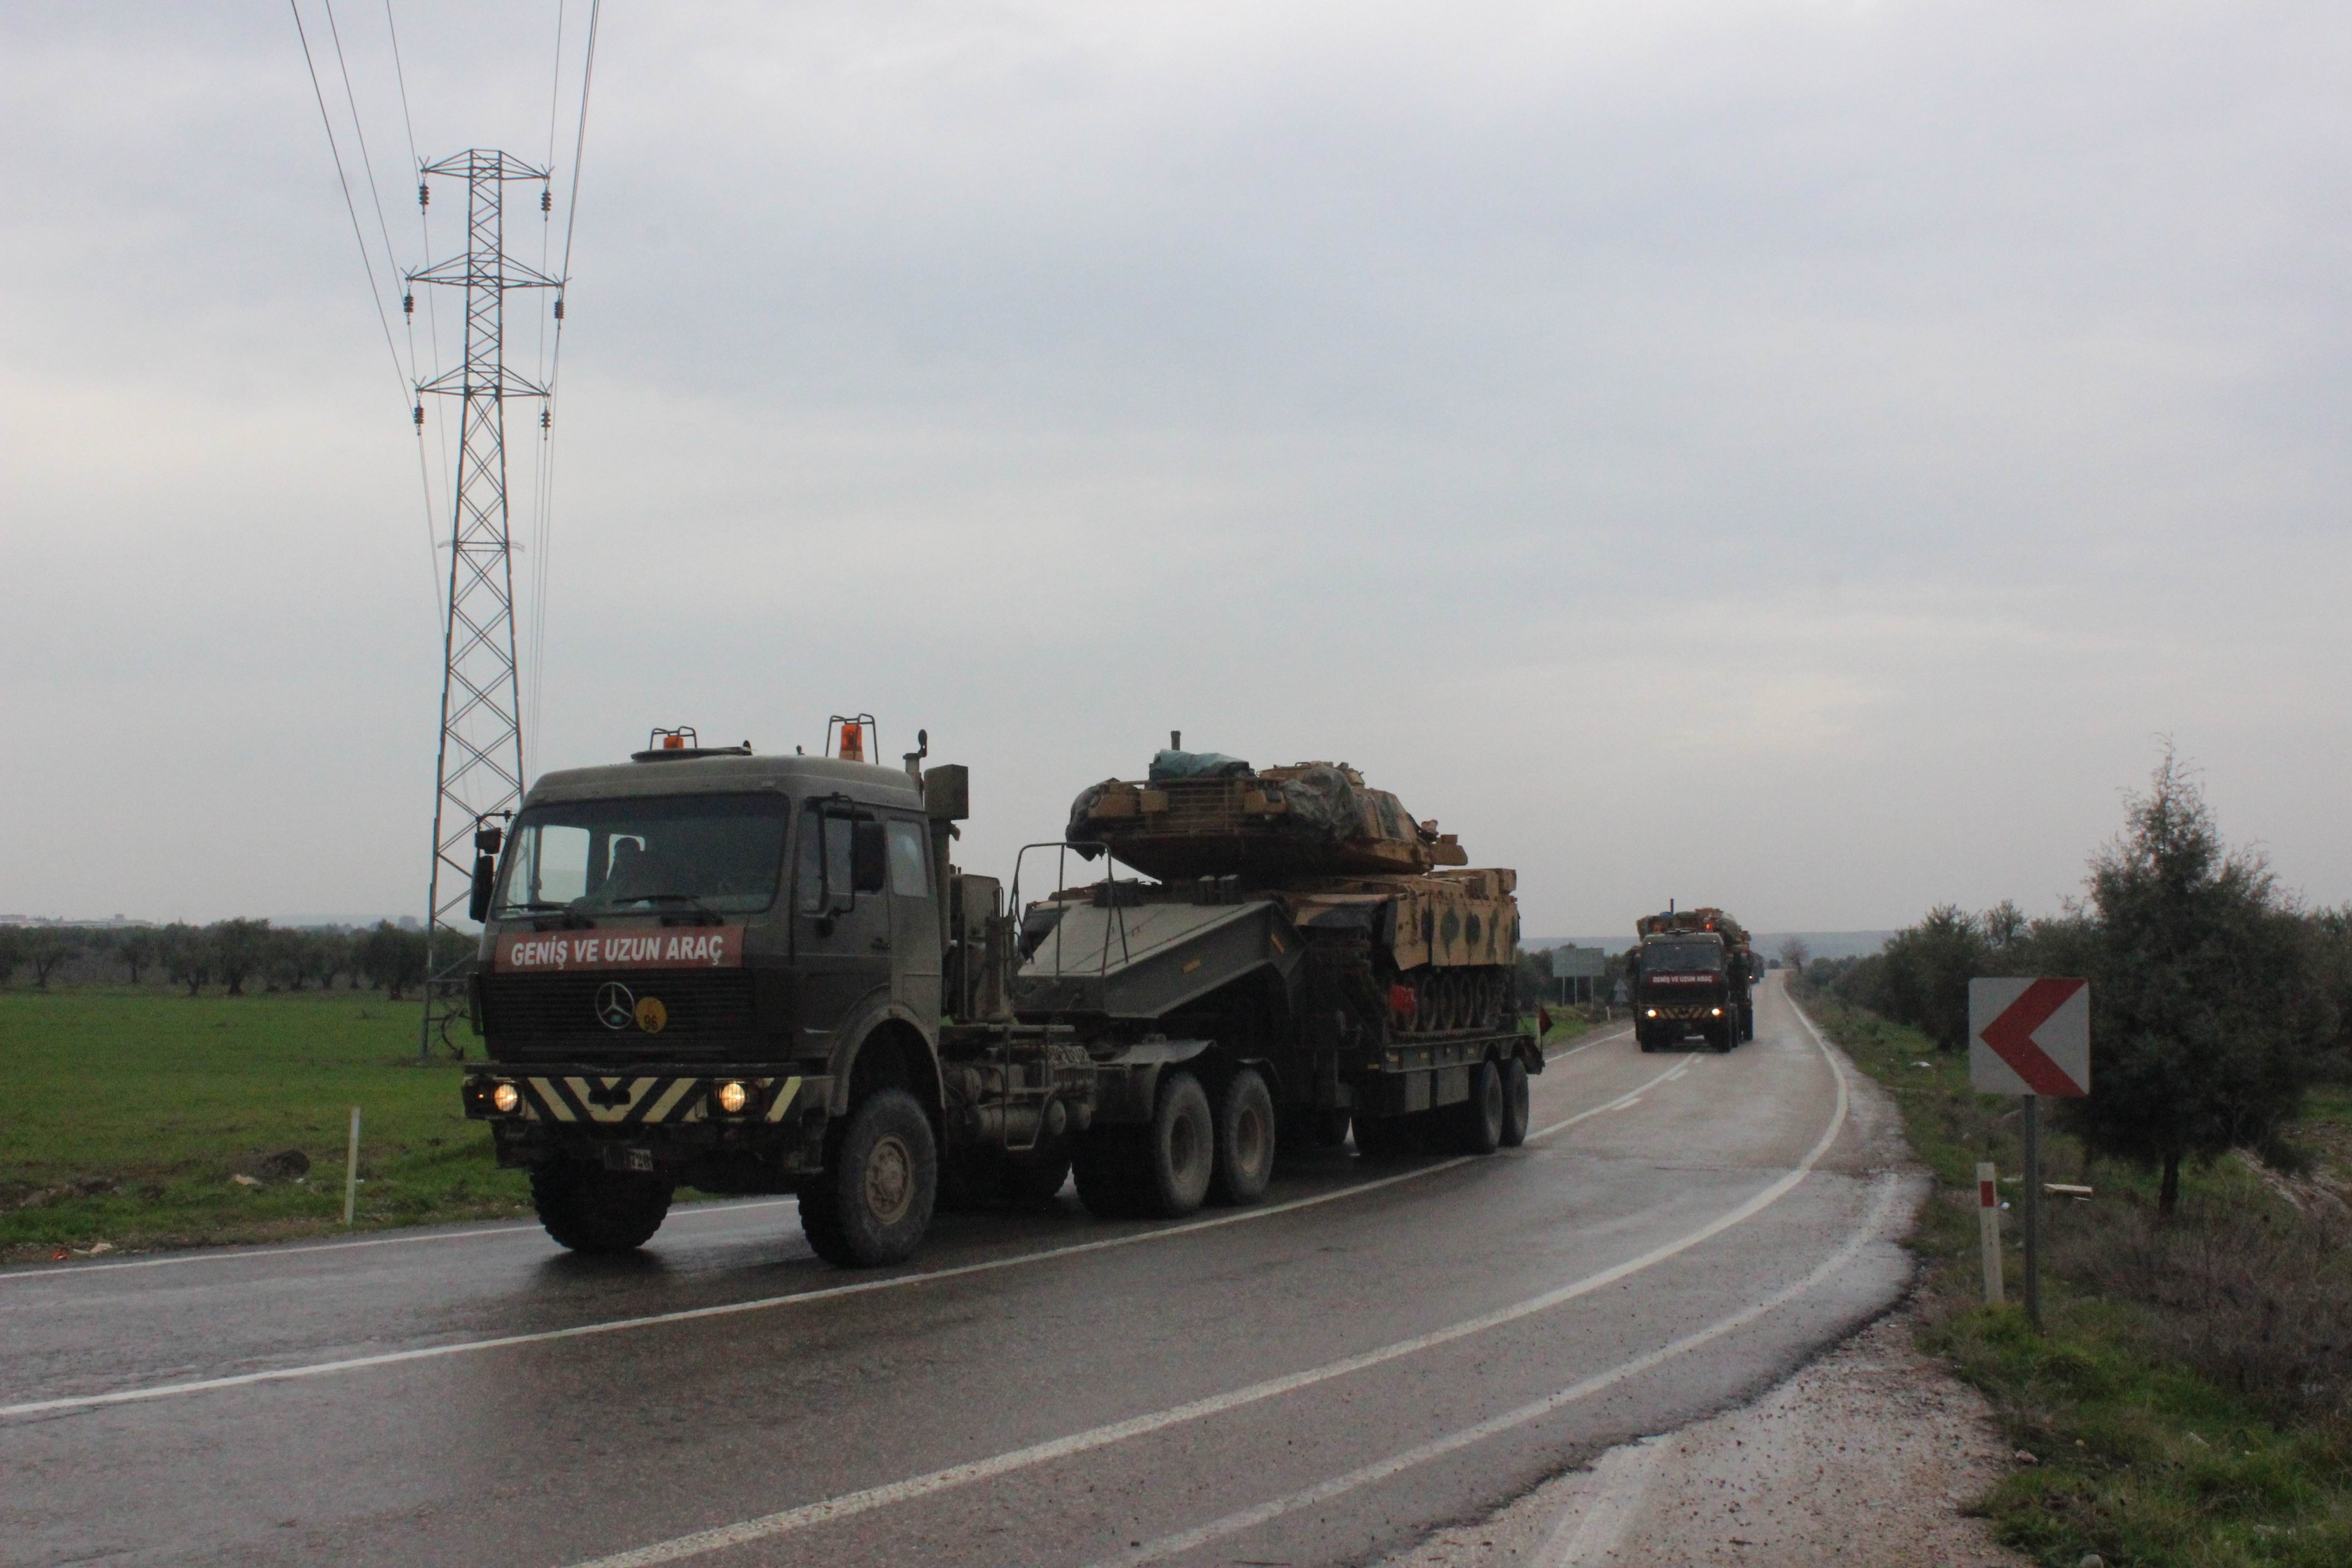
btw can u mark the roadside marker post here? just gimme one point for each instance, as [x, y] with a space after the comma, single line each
[2031, 1036]
[351, 1171]
[1989, 1229]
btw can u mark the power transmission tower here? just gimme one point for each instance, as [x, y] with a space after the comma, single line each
[480, 772]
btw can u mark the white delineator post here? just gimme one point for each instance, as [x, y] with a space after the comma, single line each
[351, 1171]
[1989, 1230]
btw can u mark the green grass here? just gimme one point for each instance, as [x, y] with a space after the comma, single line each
[150, 1103]
[2142, 1458]
[1567, 1024]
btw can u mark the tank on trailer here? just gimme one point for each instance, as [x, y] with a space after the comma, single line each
[1308, 926]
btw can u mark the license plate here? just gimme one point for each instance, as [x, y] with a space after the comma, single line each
[629, 1160]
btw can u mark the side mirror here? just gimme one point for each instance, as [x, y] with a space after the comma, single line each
[869, 860]
[485, 871]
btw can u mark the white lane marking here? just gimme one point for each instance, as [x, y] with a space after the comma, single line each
[850, 1504]
[692, 1211]
[1452, 1442]
[1550, 1057]
[764, 1303]
[1591, 1532]
[1628, 1097]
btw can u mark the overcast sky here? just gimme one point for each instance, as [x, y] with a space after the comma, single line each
[1797, 457]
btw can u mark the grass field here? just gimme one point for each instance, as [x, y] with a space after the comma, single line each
[125, 1116]
[2187, 1407]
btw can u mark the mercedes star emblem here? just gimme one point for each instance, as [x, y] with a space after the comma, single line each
[615, 1008]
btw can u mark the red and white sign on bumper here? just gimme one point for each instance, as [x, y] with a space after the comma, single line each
[687, 947]
[2030, 1037]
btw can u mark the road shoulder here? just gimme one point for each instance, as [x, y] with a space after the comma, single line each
[1871, 1453]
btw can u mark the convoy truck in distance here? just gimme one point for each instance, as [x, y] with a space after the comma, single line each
[1693, 973]
[748, 974]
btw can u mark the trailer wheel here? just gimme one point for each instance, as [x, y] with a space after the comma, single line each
[874, 1201]
[1747, 1020]
[1179, 1148]
[1515, 1103]
[1478, 1121]
[1245, 1141]
[591, 1209]
[1106, 1160]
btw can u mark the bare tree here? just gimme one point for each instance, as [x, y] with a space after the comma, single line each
[1795, 953]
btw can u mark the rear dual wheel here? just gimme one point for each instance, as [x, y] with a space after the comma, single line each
[1478, 1121]
[1516, 1103]
[1162, 1168]
[1245, 1141]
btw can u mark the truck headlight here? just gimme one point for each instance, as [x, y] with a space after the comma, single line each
[1716, 1012]
[1651, 1014]
[505, 1099]
[733, 1098]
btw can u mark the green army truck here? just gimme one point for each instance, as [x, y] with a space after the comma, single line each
[1693, 972]
[763, 974]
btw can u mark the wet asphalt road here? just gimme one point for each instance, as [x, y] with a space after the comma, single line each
[1374, 1351]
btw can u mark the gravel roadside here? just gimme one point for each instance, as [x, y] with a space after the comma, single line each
[1868, 1455]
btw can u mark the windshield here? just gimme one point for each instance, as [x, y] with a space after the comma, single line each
[720, 853]
[1681, 957]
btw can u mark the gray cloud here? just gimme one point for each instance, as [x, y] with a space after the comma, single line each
[1796, 455]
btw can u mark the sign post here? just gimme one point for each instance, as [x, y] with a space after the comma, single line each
[2031, 1038]
[1574, 963]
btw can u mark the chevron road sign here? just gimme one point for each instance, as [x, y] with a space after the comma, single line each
[2030, 1037]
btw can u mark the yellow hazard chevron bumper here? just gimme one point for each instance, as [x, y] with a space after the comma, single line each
[591, 1100]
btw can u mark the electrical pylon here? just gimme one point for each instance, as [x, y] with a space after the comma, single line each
[480, 772]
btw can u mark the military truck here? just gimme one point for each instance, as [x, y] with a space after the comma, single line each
[760, 973]
[1692, 972]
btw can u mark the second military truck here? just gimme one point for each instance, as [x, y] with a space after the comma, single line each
[748, 974]
[1693, 972]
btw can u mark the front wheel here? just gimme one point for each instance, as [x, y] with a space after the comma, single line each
[1515, 1103]
[874, 1201]
[591, 1209]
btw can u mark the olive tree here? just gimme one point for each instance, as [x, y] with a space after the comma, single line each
[188, 955]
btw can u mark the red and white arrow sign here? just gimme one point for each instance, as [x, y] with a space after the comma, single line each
[2030, 1037]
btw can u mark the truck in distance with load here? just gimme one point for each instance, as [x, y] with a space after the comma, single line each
[1691, 972]
[748, 974]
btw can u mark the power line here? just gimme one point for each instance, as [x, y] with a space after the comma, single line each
[375, 292]
[367, 163]
[538, 567]
[432, 311]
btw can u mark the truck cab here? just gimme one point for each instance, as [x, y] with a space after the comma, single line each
[708, 968]
[1684, 984]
